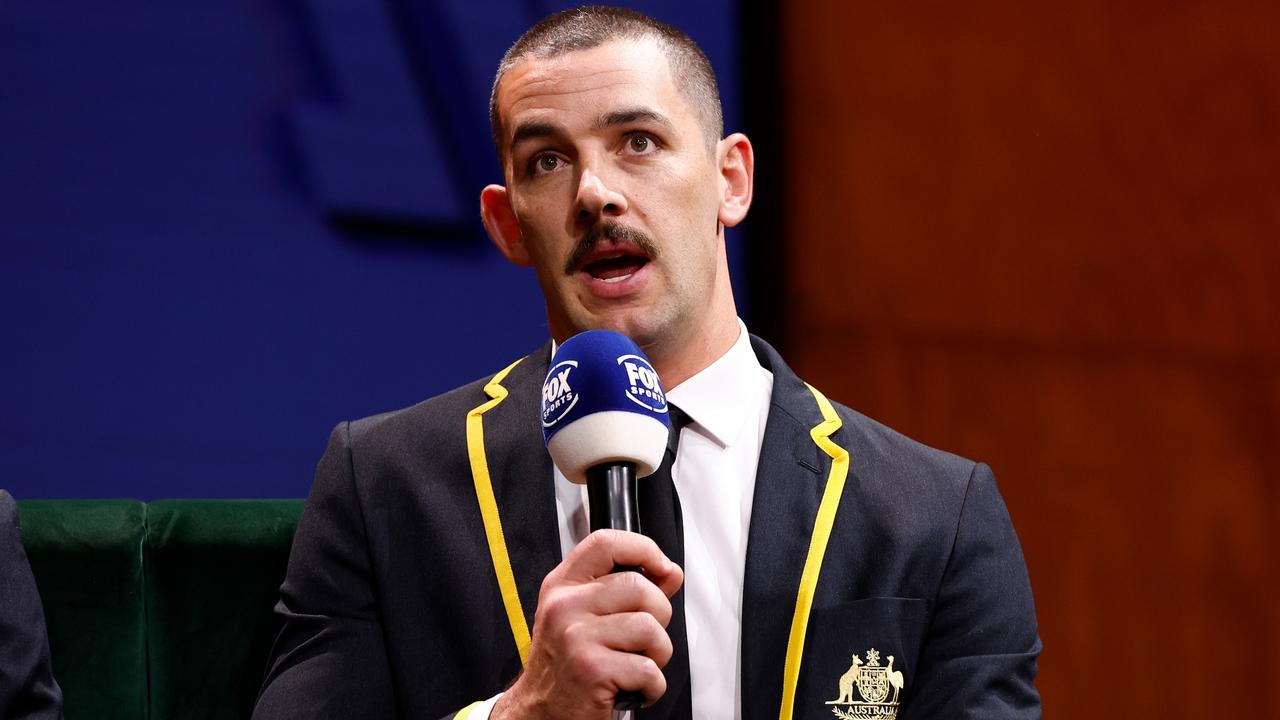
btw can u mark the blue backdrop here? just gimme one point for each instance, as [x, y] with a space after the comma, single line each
[228, 225]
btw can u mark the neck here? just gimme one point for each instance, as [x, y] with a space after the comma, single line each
[694, 354]
[704, 341]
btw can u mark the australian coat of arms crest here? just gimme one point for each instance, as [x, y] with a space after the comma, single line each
[877, 686]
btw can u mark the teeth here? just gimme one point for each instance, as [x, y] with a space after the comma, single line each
[620, 278]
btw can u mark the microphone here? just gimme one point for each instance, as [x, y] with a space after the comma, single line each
[605, 422]
[604, 419]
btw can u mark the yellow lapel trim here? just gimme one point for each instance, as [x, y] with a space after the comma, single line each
[489, 512]
[821, 434]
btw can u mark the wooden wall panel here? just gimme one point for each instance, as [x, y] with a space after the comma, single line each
[1049, 238]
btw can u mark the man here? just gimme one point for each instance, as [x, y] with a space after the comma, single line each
[27, 688]
[442, 565]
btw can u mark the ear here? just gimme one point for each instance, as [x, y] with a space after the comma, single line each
[737, 170]
[501, 224]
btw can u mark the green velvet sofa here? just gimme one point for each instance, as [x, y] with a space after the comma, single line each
[159, 610]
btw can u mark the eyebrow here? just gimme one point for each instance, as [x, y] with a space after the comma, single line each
[631, 115]
[532, 130]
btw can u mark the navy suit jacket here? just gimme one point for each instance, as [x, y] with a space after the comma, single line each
[27, 688]
[392, 608]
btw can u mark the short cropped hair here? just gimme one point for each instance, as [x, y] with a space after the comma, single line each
[591, 26]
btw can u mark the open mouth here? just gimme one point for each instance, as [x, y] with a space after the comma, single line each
[615, 267]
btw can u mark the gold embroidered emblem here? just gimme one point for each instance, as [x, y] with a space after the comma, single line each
[873, 683]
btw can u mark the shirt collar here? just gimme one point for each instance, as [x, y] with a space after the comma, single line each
[721, 396]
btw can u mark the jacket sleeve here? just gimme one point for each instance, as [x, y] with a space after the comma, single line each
[27, 688]
[979, 655]
[329, 659]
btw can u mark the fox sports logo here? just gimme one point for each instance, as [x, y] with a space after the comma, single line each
[558, 395]
[643, 389]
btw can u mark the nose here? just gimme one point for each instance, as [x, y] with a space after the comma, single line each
[597, 198]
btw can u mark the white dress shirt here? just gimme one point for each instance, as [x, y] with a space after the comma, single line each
[715, 475]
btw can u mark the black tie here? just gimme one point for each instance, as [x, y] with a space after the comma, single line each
[660, 519]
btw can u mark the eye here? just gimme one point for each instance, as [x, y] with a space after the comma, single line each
[640, 144]
[544, 163]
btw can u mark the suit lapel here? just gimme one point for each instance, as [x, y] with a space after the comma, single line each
[523, 484]
[789, 485]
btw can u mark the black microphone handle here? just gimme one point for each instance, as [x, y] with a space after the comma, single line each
[611, 497]
[611, 501]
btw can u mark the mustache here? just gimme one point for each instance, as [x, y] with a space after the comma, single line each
[613, 232]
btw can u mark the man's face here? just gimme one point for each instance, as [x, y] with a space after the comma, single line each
[615, 193]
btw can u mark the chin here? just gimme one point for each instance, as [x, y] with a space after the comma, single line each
[643, 331]
[622, 322]
[647, 325]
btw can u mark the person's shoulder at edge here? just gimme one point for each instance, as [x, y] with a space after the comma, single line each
[28, 689]
[8, 506]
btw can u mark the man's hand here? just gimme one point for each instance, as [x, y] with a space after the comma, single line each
[597, 632]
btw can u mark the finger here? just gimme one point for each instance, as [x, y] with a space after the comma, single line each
[668, 581]
[603, 672]
[563, 605]
[603, 550]
[634, 633]
[628, 592]
[640, 633]
[630, 671]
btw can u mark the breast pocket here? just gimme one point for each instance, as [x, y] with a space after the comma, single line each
[860, 658]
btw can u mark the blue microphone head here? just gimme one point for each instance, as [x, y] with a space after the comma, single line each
[602, 402]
